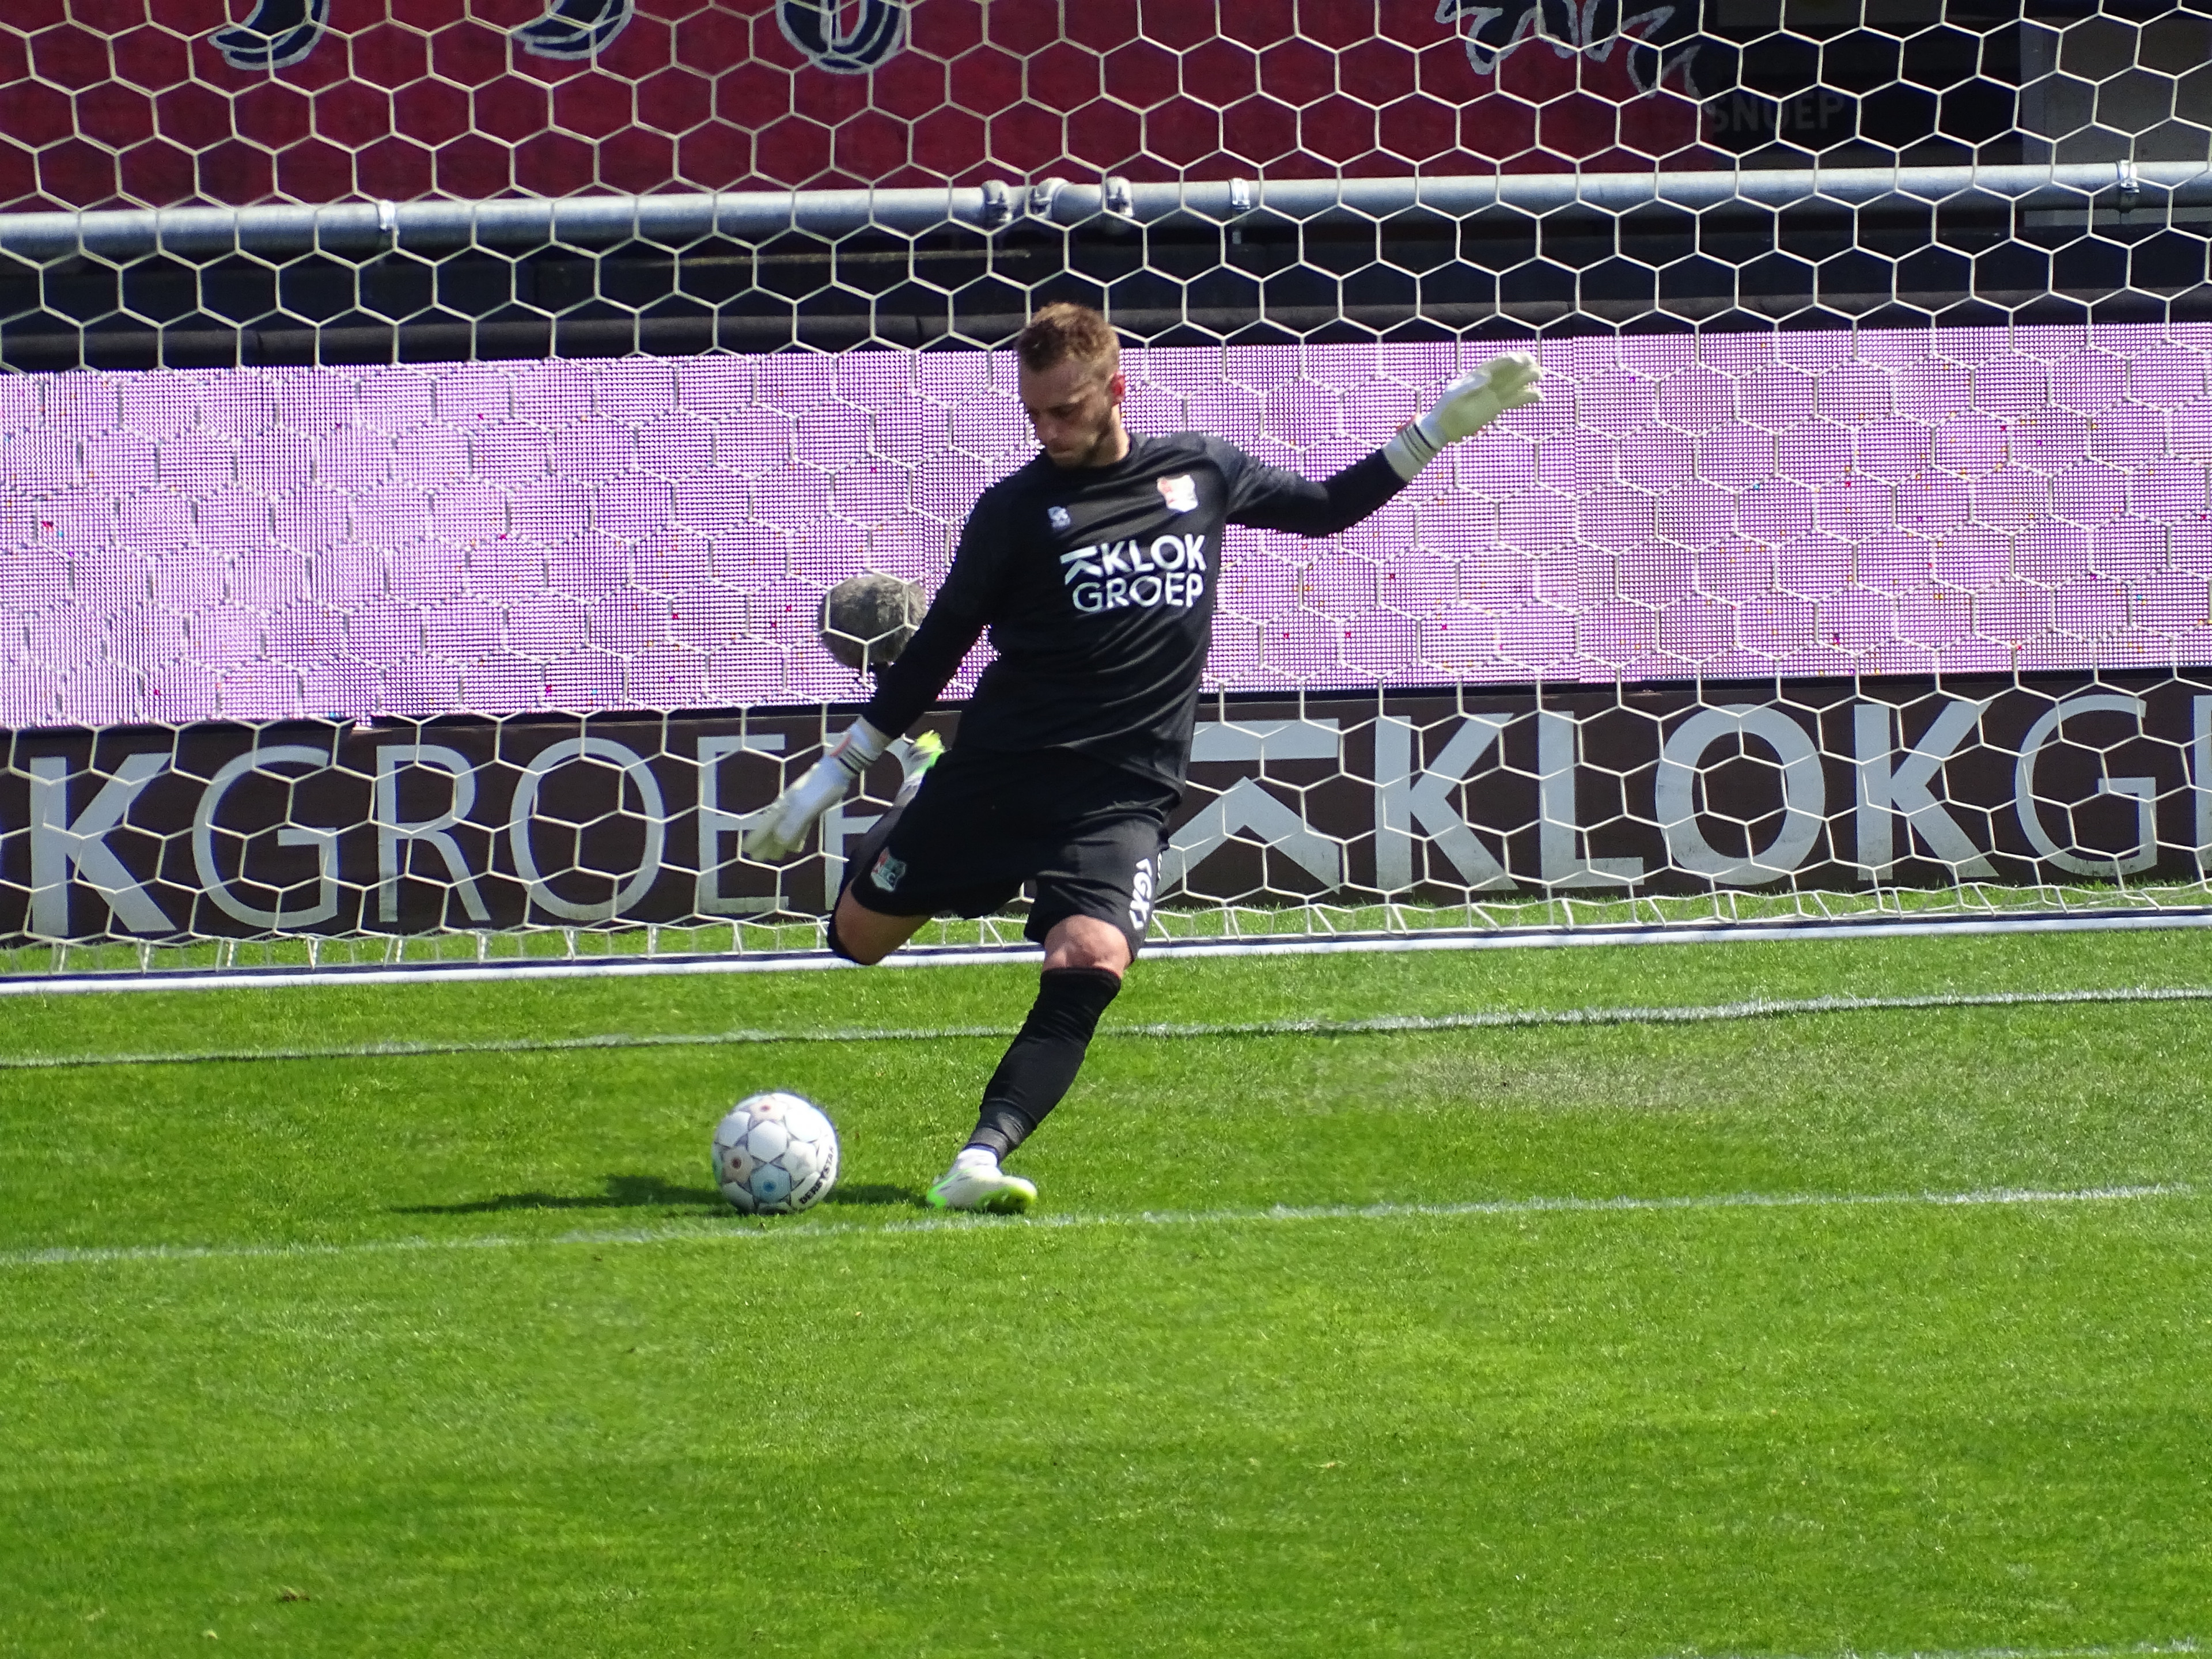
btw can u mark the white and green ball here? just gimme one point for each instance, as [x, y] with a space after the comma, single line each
[775, 1154]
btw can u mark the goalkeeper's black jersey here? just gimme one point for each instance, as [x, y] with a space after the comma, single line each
[1097, 584]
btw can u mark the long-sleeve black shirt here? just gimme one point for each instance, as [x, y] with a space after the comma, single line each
[1097, 584]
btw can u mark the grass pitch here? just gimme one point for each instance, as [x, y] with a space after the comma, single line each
[461, 1354]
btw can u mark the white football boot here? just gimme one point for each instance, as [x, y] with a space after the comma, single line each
[977, 1182]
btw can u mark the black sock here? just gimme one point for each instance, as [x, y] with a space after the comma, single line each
[1046, 1056]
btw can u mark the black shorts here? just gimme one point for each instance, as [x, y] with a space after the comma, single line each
[1088, 834]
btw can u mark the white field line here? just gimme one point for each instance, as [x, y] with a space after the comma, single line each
[2128, 1650]
[1756, 1008]
[739, 1231]
[1876, 924]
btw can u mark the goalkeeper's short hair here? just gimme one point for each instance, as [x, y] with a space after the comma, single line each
[1064, 329]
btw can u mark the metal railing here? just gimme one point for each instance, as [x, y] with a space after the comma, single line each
[358, 227]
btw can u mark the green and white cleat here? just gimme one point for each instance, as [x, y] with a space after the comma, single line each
[977, 1182]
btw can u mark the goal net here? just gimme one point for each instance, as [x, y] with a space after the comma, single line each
[432, 431]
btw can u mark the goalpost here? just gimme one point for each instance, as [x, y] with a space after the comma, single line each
[434, 576]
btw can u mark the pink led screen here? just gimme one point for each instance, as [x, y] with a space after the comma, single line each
[656, 533]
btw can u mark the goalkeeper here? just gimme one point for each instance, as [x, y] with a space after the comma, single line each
[1095, 568]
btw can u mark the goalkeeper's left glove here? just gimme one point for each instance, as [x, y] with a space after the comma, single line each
[1469, 404]
[792, 814]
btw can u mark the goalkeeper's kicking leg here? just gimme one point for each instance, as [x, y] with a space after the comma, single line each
[1095, 883]
[1089, 836]
[1084, 959]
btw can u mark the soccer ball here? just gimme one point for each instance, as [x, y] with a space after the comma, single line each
[775, 1154]
[867, 619]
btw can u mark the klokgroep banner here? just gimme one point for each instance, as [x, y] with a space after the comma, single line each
[315, 828]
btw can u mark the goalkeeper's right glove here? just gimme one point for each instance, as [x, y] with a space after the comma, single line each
[1469, 404]
[792, 814]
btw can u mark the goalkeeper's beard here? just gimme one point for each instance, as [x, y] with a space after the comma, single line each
[1097, 445]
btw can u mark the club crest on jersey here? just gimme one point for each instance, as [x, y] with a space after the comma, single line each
[1180, 493]
[888, 873]
[1060, 517]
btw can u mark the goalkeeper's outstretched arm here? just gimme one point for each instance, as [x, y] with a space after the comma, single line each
[904, 689]
[1271, 499]
[1266, 497]
[1509, 381]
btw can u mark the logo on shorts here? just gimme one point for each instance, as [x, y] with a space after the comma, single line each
[888, 871]
[1140, 896]
[1060, 517]
[1180, 493]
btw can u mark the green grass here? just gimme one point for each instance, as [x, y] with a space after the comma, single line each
[1289, 917]
[632, 1423]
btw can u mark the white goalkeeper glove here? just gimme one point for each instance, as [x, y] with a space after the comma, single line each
[1469, 404]
[792, 814]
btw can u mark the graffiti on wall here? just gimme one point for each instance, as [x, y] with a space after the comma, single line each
[168, 101]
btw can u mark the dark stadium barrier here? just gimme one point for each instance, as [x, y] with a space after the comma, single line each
[315, 828]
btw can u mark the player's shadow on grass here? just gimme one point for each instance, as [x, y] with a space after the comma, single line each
[643, 1192]
[625, 1192]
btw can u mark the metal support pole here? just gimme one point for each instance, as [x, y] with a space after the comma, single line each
[367, 228]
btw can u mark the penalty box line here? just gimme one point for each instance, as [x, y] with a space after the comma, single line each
[1503, 1019]
[761, 1231]
[1880, 924]
[2106, 1651]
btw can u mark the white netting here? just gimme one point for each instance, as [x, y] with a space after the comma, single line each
[166, 102]
[1879, 347]
[497, 538]
[1011, 128]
